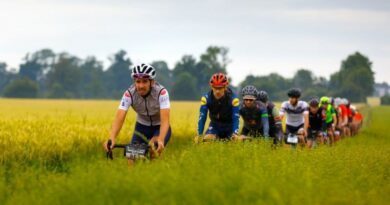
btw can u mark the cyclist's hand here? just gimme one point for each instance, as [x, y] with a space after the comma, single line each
[305, 132]
[235, 136]
[160, 145]
[197, 139]
[105, 144]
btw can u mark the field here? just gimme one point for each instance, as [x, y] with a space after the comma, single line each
[51, 153]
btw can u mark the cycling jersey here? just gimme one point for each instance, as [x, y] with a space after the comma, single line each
[147, 107]
[316, 120]
[343, 111]
[329, 113]
[295, 114]
[255, 119]
[224, 112]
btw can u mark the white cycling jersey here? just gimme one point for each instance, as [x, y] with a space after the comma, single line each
[295, 114]
[147, 108]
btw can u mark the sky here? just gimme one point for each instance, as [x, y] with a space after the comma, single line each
[262, 36]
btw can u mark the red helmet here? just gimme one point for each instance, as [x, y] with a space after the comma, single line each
[219, 80]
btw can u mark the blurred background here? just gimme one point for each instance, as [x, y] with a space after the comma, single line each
[84, 49]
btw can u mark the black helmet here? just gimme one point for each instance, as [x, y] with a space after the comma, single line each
[314, 102]
[249, 90]
[294, 92]
[262, 96]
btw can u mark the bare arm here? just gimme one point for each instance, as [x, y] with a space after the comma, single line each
[117, 124]
[164, 127]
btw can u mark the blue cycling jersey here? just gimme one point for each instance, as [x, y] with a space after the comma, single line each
[224, 111]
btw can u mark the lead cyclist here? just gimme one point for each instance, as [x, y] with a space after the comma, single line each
[150, 101]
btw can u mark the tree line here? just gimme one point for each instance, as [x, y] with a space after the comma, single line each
[46, 74]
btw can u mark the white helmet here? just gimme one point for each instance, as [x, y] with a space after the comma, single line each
[338, 101]
[143, 71]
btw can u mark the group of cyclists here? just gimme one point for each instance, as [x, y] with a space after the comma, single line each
[320, 121]
[323, 120]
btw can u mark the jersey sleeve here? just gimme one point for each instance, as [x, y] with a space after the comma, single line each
[283, 108]
[265, 122]
[305, 108]
[126, 101]
[202, 114]
[163, 99]
[236, 114]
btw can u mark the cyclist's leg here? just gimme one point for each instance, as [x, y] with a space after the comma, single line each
[211, 133]
[310, 138]
[141, 135]
[330, 132]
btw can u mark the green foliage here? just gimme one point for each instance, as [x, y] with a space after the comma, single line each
[118, 75]
[70, 168]
[355, 80]
[164, 74]
[274, 84]
[385, 100]
[185, 87]
[64, 78]
[21, 88]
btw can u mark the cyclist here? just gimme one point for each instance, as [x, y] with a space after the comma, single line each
[254, 114]
[330, 117]
[316, 122]
[343, 118]
[297, 121]
[223, 106]
[150, 101]
[275, 124]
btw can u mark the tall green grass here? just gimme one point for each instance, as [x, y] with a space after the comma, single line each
[355, 171]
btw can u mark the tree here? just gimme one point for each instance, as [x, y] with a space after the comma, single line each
[92, 79]
[185, 87]
[65, 76]
[164, 74]
[37, 64]
[274, 84]
[355, 80]
[303, 79]
[118, 75]
[21, 88]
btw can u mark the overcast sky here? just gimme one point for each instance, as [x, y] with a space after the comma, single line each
[262, 36]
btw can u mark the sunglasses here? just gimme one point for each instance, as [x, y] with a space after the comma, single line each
[250, 100]
[142, 76]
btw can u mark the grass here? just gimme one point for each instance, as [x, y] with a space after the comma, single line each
[51, 154]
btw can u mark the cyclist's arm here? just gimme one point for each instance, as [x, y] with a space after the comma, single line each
[265, 122]
[282, 110]
[236, 114]
[203, 115]
[164, 114]
[306, 117]
[118, 123]
[164, 126]
[120, 115]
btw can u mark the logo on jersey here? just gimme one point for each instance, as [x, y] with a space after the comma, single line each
[163, 92]
[127, 94]
[236, 102]
[203, 101]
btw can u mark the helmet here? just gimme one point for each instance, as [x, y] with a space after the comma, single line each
[338, 101]
[219, 80]
[346, 101]
[143, 71]
[249, 92]
[314, 102]
[294, 92]
[262, 96]
[324, 100]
